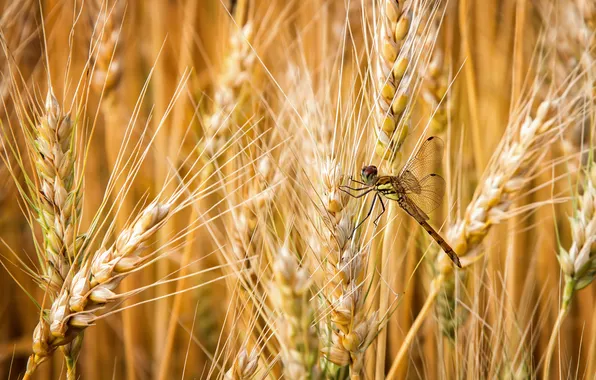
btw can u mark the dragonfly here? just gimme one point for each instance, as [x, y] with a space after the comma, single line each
[416, 189]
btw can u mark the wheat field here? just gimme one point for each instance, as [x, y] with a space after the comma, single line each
[183, 194]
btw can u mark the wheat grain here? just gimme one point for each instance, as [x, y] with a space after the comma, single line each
[573, 49]
[579, 262]
[507, 174]
[107, 61]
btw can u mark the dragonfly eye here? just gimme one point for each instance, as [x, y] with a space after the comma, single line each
[369, 174]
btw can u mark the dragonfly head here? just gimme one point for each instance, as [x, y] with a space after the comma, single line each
[369, 175]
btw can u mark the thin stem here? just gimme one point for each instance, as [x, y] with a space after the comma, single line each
[161, 90]
[240, 11]
[177, 303]
[470, 76]
[32, 364]
[174, 143]
[71, 368]
[31, 367]
[592, 351]
[568, 293]
[112, 113]
[430, 300]
[386, 267]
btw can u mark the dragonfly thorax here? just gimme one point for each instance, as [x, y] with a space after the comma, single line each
[369, 175]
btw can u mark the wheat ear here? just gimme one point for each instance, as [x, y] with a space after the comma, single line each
[230, 98]
[59, 200]
[60, 205]
[353, 327]
[79, 302]
[245, 366]
[107, 68]
[511, 167]
[434, 92]
[392, 80]
[296, 323]
[578, 264]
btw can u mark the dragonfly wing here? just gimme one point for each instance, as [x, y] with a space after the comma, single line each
[409, 182]
[430, 194]
[427, 159]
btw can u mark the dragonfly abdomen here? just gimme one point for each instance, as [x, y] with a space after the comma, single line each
[441, 242]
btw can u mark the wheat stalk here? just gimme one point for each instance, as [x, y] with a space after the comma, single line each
[245, 249]
[250, 202]
[506, 175]
[230, 103]
[505, 178]
[399, 48]
[350, 327]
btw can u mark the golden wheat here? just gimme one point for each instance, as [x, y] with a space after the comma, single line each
[247, 263]
[92, 287]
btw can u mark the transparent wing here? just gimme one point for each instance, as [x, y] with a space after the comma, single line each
[427, 160]
[409, 182]
[430, 195]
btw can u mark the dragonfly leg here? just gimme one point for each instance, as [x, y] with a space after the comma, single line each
[376, 222]
[359, 182]
[372, 206]
[368, 190]
[354, 188]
